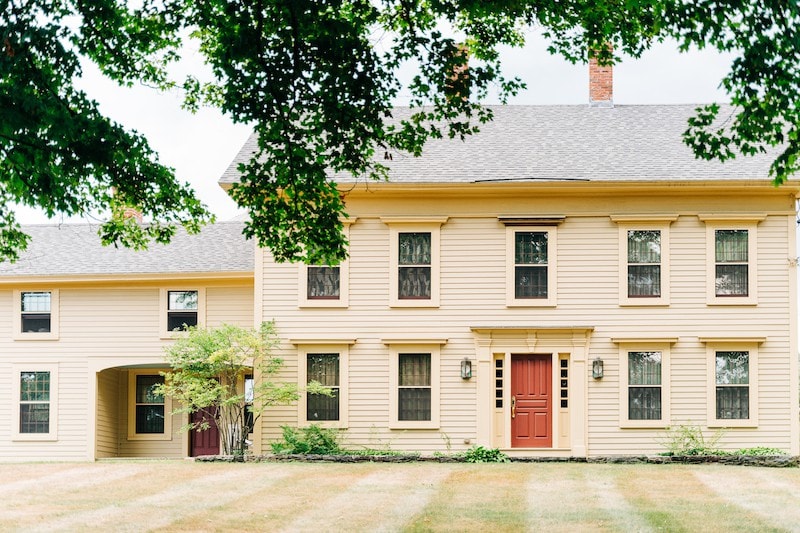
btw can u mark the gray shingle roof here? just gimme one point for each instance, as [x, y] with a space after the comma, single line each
[75, 249]
[623, 143]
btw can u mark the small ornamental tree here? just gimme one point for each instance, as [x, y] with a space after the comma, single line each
[207, 376]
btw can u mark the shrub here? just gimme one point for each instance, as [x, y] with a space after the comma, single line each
[690, 440]
[760, 451]
[312, 439]
[479, 454]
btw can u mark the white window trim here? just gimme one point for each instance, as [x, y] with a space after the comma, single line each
[552, 268]
[344, 383]
[394, 378]
[344, 281]
[414, 225]
[663, 227]
[132, 435]
[663, 346]
[723, 223]
[163, 295]
[712, 347]
[16, 317]
[16, 371]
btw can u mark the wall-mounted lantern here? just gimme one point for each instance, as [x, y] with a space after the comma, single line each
[466, 368]
[597, 368]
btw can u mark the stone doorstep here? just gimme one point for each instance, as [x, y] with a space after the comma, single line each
[774, 461]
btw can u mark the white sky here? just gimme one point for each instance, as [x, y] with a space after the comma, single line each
[201, 146]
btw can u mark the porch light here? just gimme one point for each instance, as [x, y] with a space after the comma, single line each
[466, 368]
[597, 368]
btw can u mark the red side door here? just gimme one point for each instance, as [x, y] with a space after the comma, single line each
[205, 442]
[531, 401]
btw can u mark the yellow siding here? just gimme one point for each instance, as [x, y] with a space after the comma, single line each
[473, 267]
[102, 327]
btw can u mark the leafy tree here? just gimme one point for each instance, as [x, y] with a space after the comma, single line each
[317, 79]
[208, 366]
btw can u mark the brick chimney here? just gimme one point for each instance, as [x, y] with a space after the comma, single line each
[601, 84]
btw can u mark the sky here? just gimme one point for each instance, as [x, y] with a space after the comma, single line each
[200, 146]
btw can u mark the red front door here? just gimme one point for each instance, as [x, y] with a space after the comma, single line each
[531, 401]
[205, 442]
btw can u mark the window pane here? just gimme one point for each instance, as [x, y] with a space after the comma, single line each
[415, 249]
[36, 323]
[149, 419]
[36, 302]
[530, 282]
[733, 368]
[731, 280]
[530, 248]
[145, 389]
[644, 246]
[34, 418]
[324, 368]
[182, 300]
[644, 403]
[321, 407]
[415, 369]
[414, 283]
[733, 403]
[731, 245]
[323, 283]
[644, 368]
[34, 386]
[414, 404]
[180, 320]
[644, 280]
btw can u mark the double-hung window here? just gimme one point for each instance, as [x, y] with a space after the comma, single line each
[149, 412]
[324, 369]
[644, 259]
[324, 361]
[731, 259]
[645, 382]
[37, 316]
[35, 390]
[531, 266]
[732, 381]
[181, 309]
[325, 285]
[414, 384]
[414, 253]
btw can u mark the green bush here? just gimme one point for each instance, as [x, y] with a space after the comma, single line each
[760, 451]
[479, 454]
[690, 440]
[312, 439]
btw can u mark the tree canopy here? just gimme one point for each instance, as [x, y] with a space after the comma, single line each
[316, 80]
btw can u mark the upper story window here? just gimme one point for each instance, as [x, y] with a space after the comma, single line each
[531, 266]
[181, 309]
[414, 266]
[731, 259]
[38, 315]
[35, 389]
[325, 285]
[644, 259]
[414, 253]
[731, 262]
[36, 312]
[644, 263]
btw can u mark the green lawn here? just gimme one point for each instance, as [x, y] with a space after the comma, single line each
[188, 496]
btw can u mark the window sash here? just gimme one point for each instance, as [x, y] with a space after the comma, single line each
[644, 246]
[644, 281]
[34, 402]
[732, 378]
[731, 280]
[644, 385]
[733, 403]
[414, 387]
[731, 245]
[323, 283]
[731, 255]
[644, 403]
[322, 408]
[36, 302]
[414, 249]
[323, 368]
[732, 368]
[150, 408]
[530, 248]
[182, 301]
